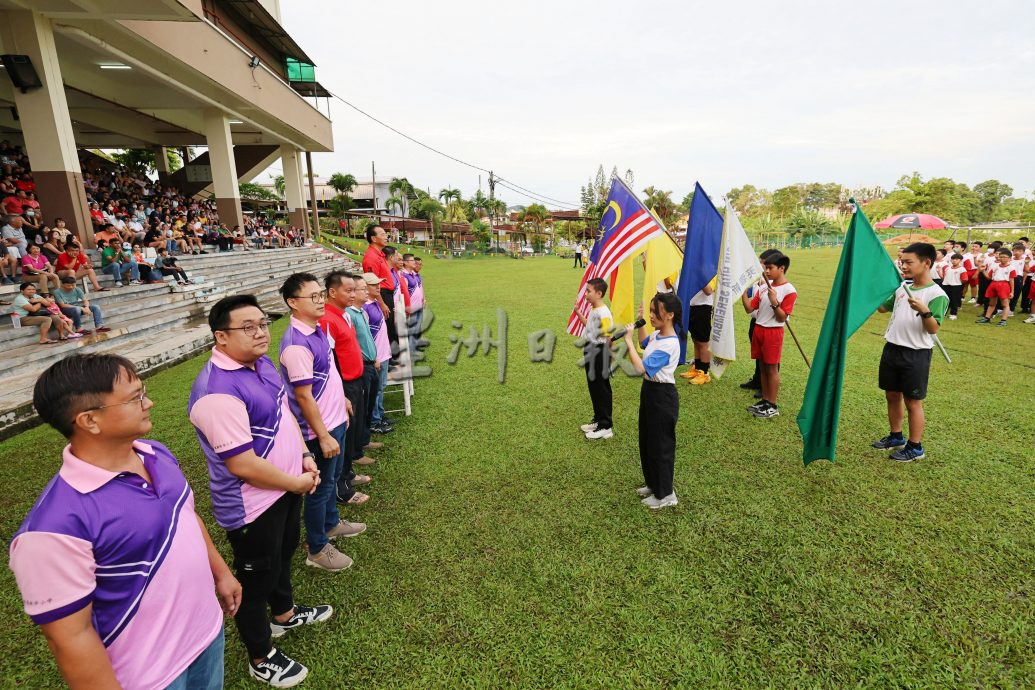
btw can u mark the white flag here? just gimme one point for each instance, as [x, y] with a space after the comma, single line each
[738, 269]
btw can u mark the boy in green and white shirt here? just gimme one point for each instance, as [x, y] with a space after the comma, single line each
[917, 310]
[599, 325]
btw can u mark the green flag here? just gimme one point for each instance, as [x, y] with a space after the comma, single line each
[865, 278]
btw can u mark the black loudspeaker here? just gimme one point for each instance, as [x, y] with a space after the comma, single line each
[22, 73]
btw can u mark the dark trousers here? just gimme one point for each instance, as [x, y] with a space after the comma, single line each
[1025, 294]
[1018, 286]
[955, 293]
[982, 286]
[578, 261]
[262, 563]
[371, 381]
[319, 509]
[756, 378]
[598, 378]
[178, 272]
[356, 394]
[393, 336]
[659, 411]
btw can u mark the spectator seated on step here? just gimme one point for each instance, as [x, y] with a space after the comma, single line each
[148, 272]
[33, 312]
[166, 263]
[35, 265]
[14, 237]
[117, 261]
[72, 302]
[73, 262]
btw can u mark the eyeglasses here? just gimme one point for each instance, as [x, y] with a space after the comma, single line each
[317, 297]
[140, 399]
[252, 328]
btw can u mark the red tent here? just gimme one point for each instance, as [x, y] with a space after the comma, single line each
[913, 221]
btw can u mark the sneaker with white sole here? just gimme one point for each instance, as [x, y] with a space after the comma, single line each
[644, 492]
[586, 428]
[658, 503]
[303, 615]
[766, 411]
[278, 670]
[972, 300]
[599, 433]
[347, 529]
[952, 317]
[329, 559]
[1030, 319]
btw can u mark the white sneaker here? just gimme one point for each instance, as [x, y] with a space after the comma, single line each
[118, 283]
[972, 300]
[952, 317]
[278, 670]
[586, 428]
[644, 492]
[657, 503]
[1030, 319]
[599, 433]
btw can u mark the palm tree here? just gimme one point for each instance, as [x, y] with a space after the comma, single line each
[455, 212]
[661, 203]
[280, 185]
[537, 215]
[480, 203]
[431, 210]
[394, 202]
[447, 194]
[401, 188]
[343, 183]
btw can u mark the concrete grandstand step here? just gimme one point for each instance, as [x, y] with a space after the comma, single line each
[154, 325]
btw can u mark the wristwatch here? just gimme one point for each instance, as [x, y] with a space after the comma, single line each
[309, 455]
[927, 315]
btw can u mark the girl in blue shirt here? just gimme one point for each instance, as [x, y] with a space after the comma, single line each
[659, 400]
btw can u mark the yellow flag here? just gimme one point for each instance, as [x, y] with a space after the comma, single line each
[664, 259]
[622, 307]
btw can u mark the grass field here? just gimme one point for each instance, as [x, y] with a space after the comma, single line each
[506, 551]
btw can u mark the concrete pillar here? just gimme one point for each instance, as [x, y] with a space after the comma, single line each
[161, 164]
[292, 165]
[46, 125]
[224, 168]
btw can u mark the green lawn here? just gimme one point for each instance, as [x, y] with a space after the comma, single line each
[506, 550]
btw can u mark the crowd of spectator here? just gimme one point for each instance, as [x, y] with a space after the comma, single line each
[139, 226]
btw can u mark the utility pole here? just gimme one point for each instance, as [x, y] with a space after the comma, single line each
[492, 199]
[373, 190]
[312, 195]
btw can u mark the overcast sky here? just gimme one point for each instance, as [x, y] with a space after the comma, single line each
[765, 92]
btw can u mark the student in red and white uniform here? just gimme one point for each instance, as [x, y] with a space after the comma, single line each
[1000, 288]
[970, 262]
[773, 304]
[941, 261]
[954, 279]
[1019, 262]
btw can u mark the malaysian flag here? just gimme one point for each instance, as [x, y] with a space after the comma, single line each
[625, 227]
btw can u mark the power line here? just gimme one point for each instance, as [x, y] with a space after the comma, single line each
[514, 187]
[532, 195]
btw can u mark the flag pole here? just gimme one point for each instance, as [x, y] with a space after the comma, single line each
[787, 325]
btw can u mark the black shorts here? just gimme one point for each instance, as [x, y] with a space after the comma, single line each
[701, 323]
[904, 370]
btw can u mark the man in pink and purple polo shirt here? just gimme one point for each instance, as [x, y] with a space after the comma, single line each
[112, 561]
[317, 400]
[258, 471]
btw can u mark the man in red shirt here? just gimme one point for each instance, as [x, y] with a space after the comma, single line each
[374, 261]
[72, 262]
[341, 292]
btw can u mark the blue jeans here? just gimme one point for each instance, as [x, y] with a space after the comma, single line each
[320, 511]
[378, 415]
[76, 314]
[114, 270]
[205, 672]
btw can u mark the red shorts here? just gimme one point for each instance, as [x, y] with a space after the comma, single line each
[973, 279]
[998, 289]
[767, 344]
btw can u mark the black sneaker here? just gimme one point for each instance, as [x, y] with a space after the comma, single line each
[757, 406]
[304, 615]
[889, 442]
[751, 385]
[278, 670]
[766, 411]
[908, 454]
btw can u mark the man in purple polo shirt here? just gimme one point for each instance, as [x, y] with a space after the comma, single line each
[317, 400]
[258, 471]
[112, 561]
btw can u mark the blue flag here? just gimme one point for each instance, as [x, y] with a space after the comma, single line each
[701, 254]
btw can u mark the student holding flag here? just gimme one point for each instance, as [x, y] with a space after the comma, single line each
[659, 399]
[917, 311]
